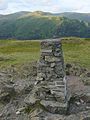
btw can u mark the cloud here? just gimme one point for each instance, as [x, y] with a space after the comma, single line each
[75, 5]
[3, 5]
[10, 6]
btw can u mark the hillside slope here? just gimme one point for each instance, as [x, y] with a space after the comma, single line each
[41, 25]
[78, 16]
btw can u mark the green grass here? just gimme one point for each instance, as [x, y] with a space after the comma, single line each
[14, 52]
[77, 51]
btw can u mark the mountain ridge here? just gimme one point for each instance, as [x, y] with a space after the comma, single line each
[71, 15]
[48, 13]
[41, 25]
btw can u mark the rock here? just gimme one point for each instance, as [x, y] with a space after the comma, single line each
[68, 65]
[46, 52]
[74, 69]
[32, 97]
[77, 103]
[52, 65]
[20, 110]
[9, 88]
[82, 101]
[40, 76]
[87, 107]
[7, 92]
[54, 107]
[88, 97]
[52, 59]
[88, 74]
[35, 118]
[87, 117]
[30, 100]
[36, 113]
[54, 117]
[8, 112]
[39, 79]
[57, 54]
[2, 74]
[1, 115]
[86, 81]
[5, 97]
[23, 86]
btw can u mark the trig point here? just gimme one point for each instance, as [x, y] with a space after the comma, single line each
[51, 82]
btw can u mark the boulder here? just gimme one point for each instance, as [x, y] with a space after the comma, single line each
[54, 107]
[6, 93]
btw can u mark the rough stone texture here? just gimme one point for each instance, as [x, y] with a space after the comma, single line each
[29, 94]
[6, 92]
[50, 79]
[54, 107]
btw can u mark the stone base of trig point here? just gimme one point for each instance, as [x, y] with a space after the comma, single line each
[51, 82]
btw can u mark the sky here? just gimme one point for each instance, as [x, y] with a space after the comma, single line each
[54, 6]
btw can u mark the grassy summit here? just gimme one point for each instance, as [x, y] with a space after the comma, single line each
[14, 52]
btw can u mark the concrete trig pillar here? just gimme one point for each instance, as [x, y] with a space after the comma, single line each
[51, 77]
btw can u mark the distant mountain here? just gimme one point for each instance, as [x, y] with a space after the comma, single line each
[70, 15]
[78, 16]
[40, 25]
